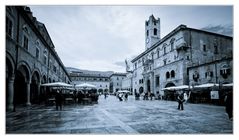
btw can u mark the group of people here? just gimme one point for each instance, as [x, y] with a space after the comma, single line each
[121, 96]
[78, 97]
[183, 97]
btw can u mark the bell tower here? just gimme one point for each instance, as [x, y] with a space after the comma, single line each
[152, 32]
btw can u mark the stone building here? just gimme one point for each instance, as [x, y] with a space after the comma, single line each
[116, 81]
[30, 58]
[185, 56]
[127, 82]
[100, 79]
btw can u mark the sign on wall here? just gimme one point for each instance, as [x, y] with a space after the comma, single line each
[214, 95]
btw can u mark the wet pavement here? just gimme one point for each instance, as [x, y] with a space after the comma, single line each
[110, 116]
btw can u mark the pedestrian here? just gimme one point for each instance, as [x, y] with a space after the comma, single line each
[180, 101]
[58, 99]
[120, 96]
[105, 95]
[151, 96]
[185, 97]
[229, 105]
[126, 96]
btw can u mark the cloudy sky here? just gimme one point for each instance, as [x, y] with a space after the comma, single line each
[102, 37]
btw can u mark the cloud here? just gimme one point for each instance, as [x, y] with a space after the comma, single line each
[220, 29]
[102, 37]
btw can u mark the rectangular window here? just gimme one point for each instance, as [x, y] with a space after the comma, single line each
[155, 31]
[37, 53]
[54, 69]
[158, 54]
[44, 60]
[147, 33]
[204, 48]
[215, 49]
[9, 27]
[25, 42]
[157, 81]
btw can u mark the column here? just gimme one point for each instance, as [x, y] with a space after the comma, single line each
[28, 93]
[145, 85]
[10, 94]
[152, 83]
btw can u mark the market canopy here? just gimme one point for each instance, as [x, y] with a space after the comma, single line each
[177, 87]
[56, 84]
[85, 86]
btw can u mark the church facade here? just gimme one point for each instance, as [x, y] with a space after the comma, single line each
[31, 59]
[185, 56]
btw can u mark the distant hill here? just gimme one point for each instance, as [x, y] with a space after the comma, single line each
[102, 73]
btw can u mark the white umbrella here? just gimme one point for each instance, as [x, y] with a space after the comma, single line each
[56, 84]
[208, 85]
[86, 86]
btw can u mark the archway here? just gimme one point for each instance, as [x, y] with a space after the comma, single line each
[21, 85]
[9, 84]
[170, 95]
[43, 90]
[35, 87]
[141, 90]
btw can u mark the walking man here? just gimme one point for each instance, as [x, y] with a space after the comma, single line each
[180, 101]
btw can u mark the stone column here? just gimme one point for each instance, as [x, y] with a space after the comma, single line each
[145, 85]
[10, 94]
[28, 93]
[152, 83]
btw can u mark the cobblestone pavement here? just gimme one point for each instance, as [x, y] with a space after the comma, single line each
[110, 116]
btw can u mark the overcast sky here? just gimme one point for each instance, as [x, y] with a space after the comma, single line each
[102, 37]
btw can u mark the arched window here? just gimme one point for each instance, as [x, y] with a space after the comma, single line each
[167, 75]
[172, 73]
[155, 31]
[152, 55]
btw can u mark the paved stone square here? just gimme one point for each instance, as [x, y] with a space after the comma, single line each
[110, 116]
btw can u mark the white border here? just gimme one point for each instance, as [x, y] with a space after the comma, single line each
[3, 3]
